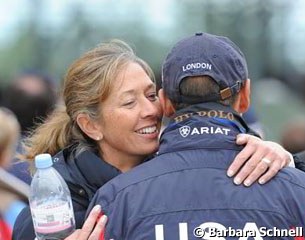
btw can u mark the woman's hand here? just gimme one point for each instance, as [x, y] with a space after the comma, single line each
[92, 228]
[258, 160]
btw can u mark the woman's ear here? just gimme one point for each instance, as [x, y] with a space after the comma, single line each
[166, 104]
[90, 127]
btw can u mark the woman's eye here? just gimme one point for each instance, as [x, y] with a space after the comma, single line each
[129, 103]
[152, 97]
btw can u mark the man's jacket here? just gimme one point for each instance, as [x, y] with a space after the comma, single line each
[184, 193]
[84, 174]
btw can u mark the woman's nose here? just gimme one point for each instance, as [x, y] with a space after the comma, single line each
[150, 109]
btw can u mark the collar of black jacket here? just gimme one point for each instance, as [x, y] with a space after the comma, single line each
[96, 171]
[84, 171]
[211, 110]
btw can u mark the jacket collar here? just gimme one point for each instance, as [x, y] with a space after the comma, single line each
[211, 110]
[205, 125]
[84, 170]
[95, 170]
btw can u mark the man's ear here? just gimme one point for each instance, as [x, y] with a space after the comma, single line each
[90, 127]
[166, 104]
[242, 102]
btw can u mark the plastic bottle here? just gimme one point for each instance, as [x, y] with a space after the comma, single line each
[50, 202]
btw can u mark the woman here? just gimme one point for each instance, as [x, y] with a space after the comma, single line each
[109, 124]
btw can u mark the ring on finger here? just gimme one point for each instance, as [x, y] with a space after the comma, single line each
[266, 160]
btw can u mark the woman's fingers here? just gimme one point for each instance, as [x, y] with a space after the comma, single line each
[248, 166]
[251, 170]
[90, 223]
[99, 228]
[92, 228]
[250, 143]
[273, 169]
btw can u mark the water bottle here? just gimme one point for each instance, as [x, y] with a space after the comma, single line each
[50, 202]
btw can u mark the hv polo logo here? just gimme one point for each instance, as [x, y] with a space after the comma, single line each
[185, 131]
[205, 113]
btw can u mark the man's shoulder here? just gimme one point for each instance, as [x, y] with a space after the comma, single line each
[125, 181]
[293, 177]
[161, 166]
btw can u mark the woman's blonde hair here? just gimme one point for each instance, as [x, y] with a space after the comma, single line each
[9, 130]
[87, 83]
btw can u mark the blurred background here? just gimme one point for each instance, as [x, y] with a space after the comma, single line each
[47, 35]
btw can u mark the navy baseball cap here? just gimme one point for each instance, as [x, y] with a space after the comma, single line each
[204, 55]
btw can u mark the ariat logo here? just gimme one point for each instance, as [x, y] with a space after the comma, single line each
[184, 131]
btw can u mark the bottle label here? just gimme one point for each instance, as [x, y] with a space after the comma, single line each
[52, 217]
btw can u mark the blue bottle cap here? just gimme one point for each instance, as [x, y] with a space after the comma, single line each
[43, 161]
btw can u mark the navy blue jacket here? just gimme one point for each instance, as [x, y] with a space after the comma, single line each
[84, 174]
[186, 186]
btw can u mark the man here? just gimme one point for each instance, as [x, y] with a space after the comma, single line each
[184, 192]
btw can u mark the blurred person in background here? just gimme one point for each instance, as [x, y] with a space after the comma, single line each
[109, 124]
[293, 140]
[13, 192]
[31, 97]
[293, 136]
